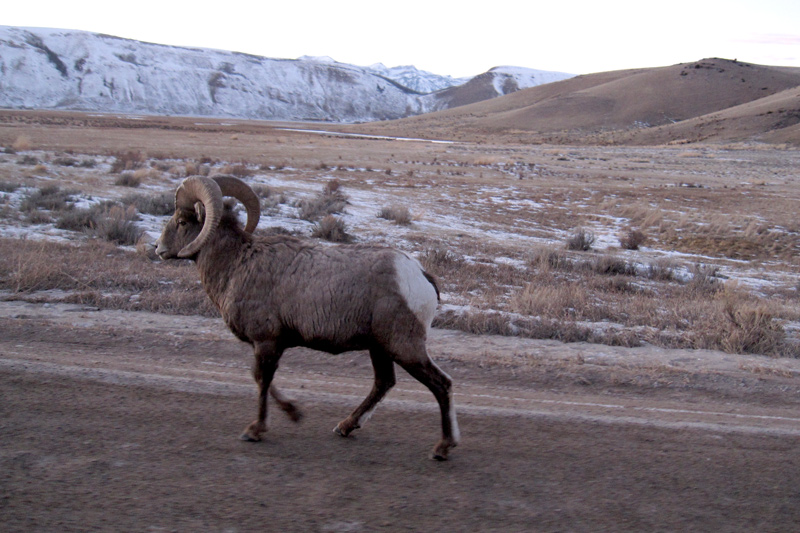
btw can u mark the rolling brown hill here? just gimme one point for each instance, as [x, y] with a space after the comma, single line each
[638, 106]
[772, 119]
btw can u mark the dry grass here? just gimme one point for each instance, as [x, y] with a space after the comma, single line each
[331, 200]
[117, 225]
[556, 301]
[604, 299]
[397, 214]
[49, 198]
[129, 160]
[632, 239]
[495, 222]
[22, 143]
[128, 179]
[581, 240]
[332, 229]
[100, 273]
[162, 204]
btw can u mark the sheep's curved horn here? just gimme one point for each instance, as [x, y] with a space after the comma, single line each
[231, 186]
[206, 191]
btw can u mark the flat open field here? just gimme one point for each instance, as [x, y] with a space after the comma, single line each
[674, 408]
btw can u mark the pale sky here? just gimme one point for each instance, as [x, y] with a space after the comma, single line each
[449, 37]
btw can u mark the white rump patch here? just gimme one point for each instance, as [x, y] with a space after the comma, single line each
[419, 294]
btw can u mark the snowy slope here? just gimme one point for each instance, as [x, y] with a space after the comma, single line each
[507, 80]
[417, 80]
[496, 82]
[65, 69]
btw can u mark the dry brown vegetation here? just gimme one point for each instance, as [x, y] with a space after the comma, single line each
[679, 247]
[99, 273]
[716, 100]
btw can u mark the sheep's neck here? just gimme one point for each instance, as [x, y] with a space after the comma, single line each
[213, 260]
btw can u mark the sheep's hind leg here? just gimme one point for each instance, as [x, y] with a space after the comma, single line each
[286, 404]
[439, 383]
[267, 356]
[383, 367]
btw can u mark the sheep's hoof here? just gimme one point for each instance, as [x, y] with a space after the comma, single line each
[440, 451]
[343, 431]
[253, 432]
[294, 414]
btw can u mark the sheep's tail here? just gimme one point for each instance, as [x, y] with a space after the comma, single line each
[432, 281]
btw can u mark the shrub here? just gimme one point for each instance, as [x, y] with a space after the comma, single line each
[128, 179]
[117, 225]
[27, 160]
[744, 325]
[8, 187]
[399, 214]
[270, 198]
[331, 200]
[65, 161]
[239, 170]
[160, 204]
[545, 258]
[581, 241]
[146, 173]
[476, 322]
[609, 265]
[705, 279]
[751, 329]
[559, 301]
[39, 217]
[96, 266]
[440, 260]
[50, 198]
[632, 239]
[22, 143]
[108, 221]
[660, 270]
[262, 191]
[331, 229]
[80, 219]
[130, 160]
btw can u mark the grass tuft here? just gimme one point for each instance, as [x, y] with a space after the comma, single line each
[128, 179]
[581, 241]
[332, 229]
[330, 201]
[398, 214]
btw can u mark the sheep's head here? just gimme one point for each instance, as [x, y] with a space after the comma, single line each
[198, 210]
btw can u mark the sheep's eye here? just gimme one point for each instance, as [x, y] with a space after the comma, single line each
[181, 222]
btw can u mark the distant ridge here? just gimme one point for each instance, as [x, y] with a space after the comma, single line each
[660, 105]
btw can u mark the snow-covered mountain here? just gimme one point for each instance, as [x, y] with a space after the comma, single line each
[506, 80]
[65, 69]
[417, 80]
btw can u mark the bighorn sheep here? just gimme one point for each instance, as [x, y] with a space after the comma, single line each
[277, 292]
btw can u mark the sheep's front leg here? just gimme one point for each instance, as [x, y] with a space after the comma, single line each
[267, 355]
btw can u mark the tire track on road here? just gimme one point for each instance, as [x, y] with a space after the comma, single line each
[470, 399]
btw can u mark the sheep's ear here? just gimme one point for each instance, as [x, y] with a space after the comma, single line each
[200, 210]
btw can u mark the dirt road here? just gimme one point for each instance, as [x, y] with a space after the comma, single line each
[129, 422]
